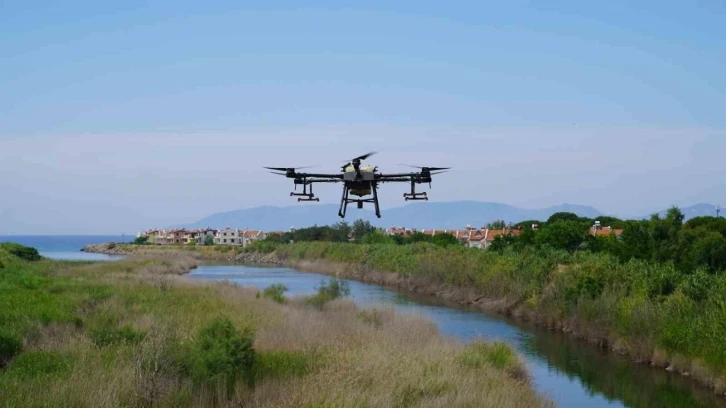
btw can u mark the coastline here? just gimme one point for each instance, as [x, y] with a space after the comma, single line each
[458, 295]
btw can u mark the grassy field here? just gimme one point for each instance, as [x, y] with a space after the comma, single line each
[650, 311]
[136, 333]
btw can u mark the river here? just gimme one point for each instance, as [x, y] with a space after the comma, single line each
[571, 372]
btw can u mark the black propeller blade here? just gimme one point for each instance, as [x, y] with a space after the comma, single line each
[288, 168]
[427, 168]
[359, 158]
[276, 172]
[365, 156]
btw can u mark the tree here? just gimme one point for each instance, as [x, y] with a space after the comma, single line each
[563, 216]
[209, 240]
[709, 223]
[418, 237]
[444, 240]
[528, 224]
[497, 225]
[567, 235]
[675, 216]
[501, 242]
[607, 221]
[711, 251]
[143, 240]
[361, 229]
[637, 241]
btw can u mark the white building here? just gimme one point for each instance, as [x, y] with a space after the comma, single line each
[229, 236]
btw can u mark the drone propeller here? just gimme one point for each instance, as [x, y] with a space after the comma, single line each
[438, 172]
[276, 172]
[288, 168]
[429, 169]
[365, 156]
[359, 158]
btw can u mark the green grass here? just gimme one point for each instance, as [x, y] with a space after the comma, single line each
[132, 333]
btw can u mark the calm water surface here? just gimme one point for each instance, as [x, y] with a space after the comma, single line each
[572, 373]
[67, 247]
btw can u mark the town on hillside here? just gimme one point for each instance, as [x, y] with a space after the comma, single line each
[469, 236]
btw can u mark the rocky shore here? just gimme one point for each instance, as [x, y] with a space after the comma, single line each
[197, 253]
[109, 248]
[258, 258]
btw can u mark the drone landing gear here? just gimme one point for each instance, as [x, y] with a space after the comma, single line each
[307, 196]
[344, 201]
[413, 195]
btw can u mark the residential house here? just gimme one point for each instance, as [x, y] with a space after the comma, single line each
[402, 231]
[250, 236]
[475, 238]
[228, 236]
[600, 231]
[491, 234]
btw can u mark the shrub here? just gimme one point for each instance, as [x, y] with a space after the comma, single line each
[221, 353]
[208, 240]
[10, 346]
[111, 245]
[262, 246]
[141, 240]
[276, 292]
[499, 355]
[334, 289]
[21, 251]
[377, 237]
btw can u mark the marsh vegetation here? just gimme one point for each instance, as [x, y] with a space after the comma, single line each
[136, 333]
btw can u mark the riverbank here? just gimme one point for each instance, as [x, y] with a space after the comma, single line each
[137, 333]
[637, 309]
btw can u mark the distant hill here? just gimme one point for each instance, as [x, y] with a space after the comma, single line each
[455, 214]
[697, 210]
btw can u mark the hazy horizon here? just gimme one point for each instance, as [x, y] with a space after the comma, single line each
[114, 118]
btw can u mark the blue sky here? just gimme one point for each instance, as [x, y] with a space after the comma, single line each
[164, 113]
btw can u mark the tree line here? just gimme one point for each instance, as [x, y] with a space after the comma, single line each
[698, 243]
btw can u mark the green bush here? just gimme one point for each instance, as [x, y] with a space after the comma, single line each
[141, 240]
[10, 346]
[111, 245]
[499, 355]
[21, 251]
[334, 289]
[276, 292]
[221, 353]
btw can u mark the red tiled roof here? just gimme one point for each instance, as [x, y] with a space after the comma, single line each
[605, 231]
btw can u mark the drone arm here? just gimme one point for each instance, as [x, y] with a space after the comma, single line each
[319, 176]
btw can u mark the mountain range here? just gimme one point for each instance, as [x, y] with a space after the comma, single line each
[454, 214]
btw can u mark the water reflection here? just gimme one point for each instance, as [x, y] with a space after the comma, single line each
[570, 372]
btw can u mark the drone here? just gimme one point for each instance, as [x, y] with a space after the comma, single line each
[359, 181]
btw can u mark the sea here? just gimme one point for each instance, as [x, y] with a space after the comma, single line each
[68, 247]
